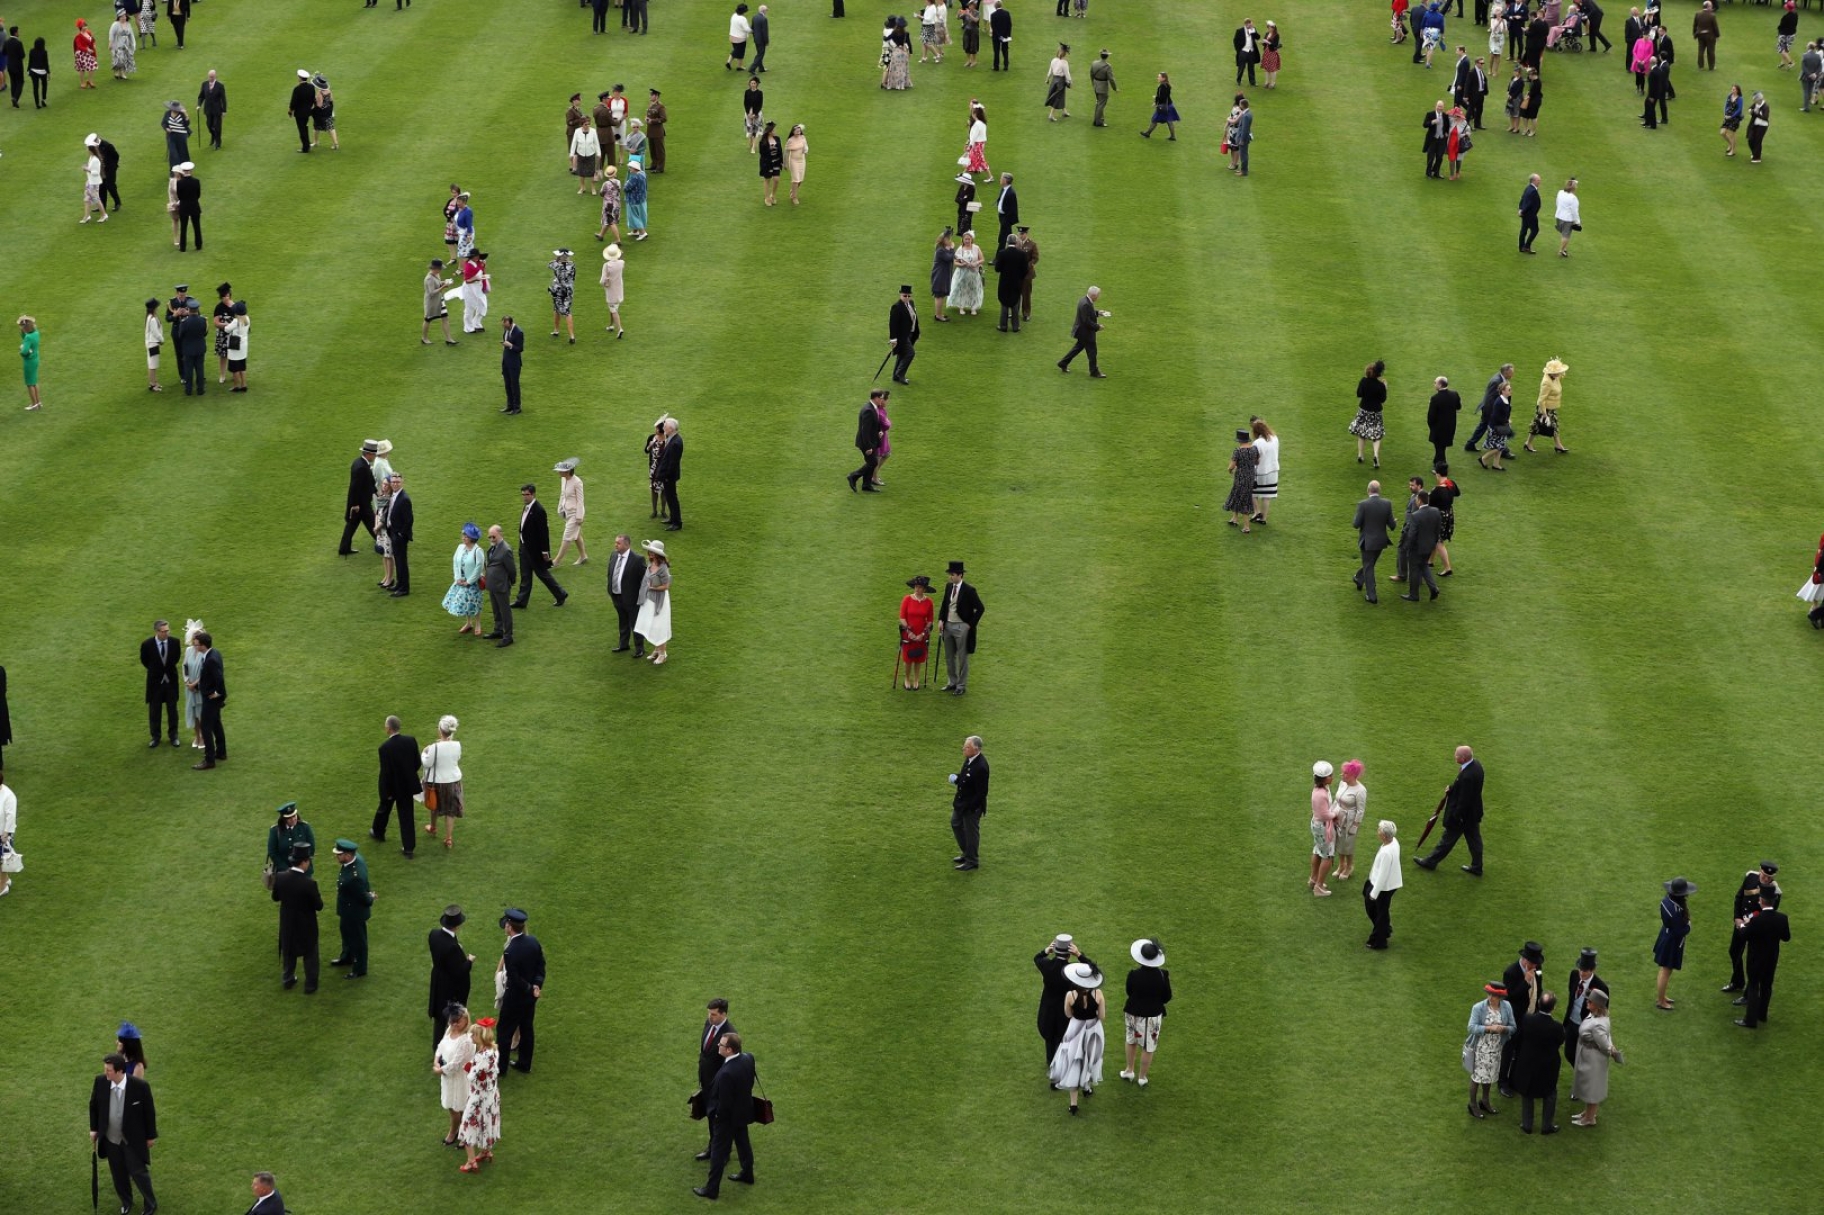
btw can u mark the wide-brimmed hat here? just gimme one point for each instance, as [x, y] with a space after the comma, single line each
[320, 80]
[565, 466]
[174, 105]
[1083, 975]
[1678, 887]
[1533, 952]
[562, 252]
[613, 254]
[919, 580]
[384, 447]
[1322, 768]
[1494, 989]
[452, 917]
[654, 546]
[1556, 367]
[1147, 952]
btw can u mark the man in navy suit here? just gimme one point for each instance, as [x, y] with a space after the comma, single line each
[1374, 520]
[1000, 32]
[512, 351]
[212, 683]
[1764, 932]
[398, 786]
[266, 1198]
[969, 804]
[399, 531]
[709, 1059]
[1529, 221]
[159, 655]
[731, 1109]
[867, 439]
[524, 960]
[123, 1125]
[1462, 815]
[535, 549]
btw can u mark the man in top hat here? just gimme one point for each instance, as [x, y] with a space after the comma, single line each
[731, 1110]
[1462, 815]
[1102, 80]
[957, 614]
[868, 432]
[123, 1125]
[161, 655]
[1149, 990]
[354, 903]
[399, 785]
[902, 333]
[535, 549]
[1523, 990]
[1747, 903]
[212, 103]
[299, 900]
[709, 1057]
[1765, 929]
[399, 533]
[1537, 1062]
[361, 489]
[450, 970]
[303, 102]
[1578, 987]
[436, 308]
[1084, 330]
[969, 804]
[1050, 963]
[523, 962]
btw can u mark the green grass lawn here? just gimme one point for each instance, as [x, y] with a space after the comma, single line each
[762, 819]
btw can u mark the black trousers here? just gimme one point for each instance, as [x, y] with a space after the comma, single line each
[669, 490]
[1471, 835]
[1434, 158]
[760, 56]
[1481, 429]
[17, 81]
[312, 965]
[1085, 345]
[186, 220]
[389, 803]
[870, 461]
[967, 828]
[1760, 995]
[1054, 1038]
[1473, 105]
[500, 598]
[1738, 945]
[170, 707]
[41, 90]
[215, 742]
[1755, 136]
[354, 943]
[214, 122]
[402, 570]
[516, 1017]
[633, 14]
[1529, 232]
[1000, 57]
[903, 354]
[599, 24]
[177, 27]
[1418, 569]
[362, 516]
[626, 614]
[528, 564]
[510, 376]
[303, 121]
[128, 1167]
[1596, 34]
[111, 189]
[1551, 1111]
[722, 1133]
[1245, 66]
[836, 8]
[190, 371]
[1380, 916]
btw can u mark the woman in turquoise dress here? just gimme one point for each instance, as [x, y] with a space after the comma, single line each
[633, 196]
[193, 694]
[28, 353]
[464, 597]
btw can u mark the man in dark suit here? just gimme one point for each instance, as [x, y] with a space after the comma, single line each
[1007, 208]
[867, 439]
[398, 786]
[354, 907]
[212, 100]
[525, 969]
[14, 50]
[762, 32]
[266, 1198]
[1437, 139]
[1592, 13]
[1419, 539]
[1525, 988]
[1536, 1064]
[299, 900]
[625, 574]
[669, 472]
[1000, 32]
[969, 804]
[450, 970]
[123, 1125]
[500, 573]
[1084, 330]
[179, 12]
[958, 612]
[360, 509]
[1461, 76]
[110, 167]
[1529, 232]
[1374, 520]
[902, 334]
[1747, 903]
[535, 549]
[159, 654]
[303, 101]
[1578, 987]
[1247, 51]
[1477, 95]
[1462, 815]
[709, 1058]
[1050, 963]
[399, 531]
[1764, 931]
[512, 356]
[731, 1109]
[1010, 266]
[190, 335]
[212, 684]
[1631, 31]
[1441, 418]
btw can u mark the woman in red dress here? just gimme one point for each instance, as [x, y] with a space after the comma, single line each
[915, 615]
[85, 55]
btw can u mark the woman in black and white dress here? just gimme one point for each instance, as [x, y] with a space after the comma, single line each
[1266, 467]
[563, 292]
[1371, 393]
[1077, 1066]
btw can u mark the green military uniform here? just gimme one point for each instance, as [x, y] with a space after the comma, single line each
[280, 838]
[354, 904]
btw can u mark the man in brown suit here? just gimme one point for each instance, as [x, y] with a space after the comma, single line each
[655, 133]
[603, 117]
[1032, 269]
[573, 118]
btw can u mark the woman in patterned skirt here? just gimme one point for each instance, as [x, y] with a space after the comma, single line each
[148, 23]
[1371, 393]
[1242, 463]
[1500, 418]
[611, 204]
[1163, 110]
[450, 209]
[121, 46]
[323, 115]
[966, 282]
[976, 155]
[563, 291]
[633, 196]
[1444, 496]
[464, 222]
[1490, 1023]
[1269, 53]
[463, 600]
[481, 1116]
[223, 316]
[84, 47]
[655, 443]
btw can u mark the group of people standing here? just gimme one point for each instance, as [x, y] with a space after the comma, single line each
[1073, 1010]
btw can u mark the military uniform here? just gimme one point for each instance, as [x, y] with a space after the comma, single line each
[281, 839]
[354, 904]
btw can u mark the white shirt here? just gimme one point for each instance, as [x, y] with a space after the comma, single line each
[738, 28]
[9, 811]
[1385, 875]
[585, 142]
[155, 331]
[238, 327]
[1567, 207]
[931, 15]
[442, 760]
[93, 169]
[1267, 464]
[1060, 67]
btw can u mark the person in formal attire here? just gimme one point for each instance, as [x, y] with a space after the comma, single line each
[762, 37]
[14, 51]
[1000, 33]
[731, 1111]
[1051, 963]
[1674, 927]
[868, 434]
[512, 356]
[452, 1056]
[535, 549]
[1583, 981]
[1374, 522]
[500, 572]
[1077, 1066]
[739, 31]
[451, 969]
[1491, 394]
[299, 900]
[1369, 424]
[1149, 990]
[1437, 139]
[9, 827]
[1536, 1064]
[1705, 30]
[1102, 83]
[1384, 881]
[1418, 542]
[361, 490]
[123, 1126]
[917, 612]
[1088, 323]
[287, 834]
[1010, 267]
[303, 103]
[1747, 903]
[1524, 986]
[959, 612]
[969, 804]
[475, 283]
[625, 573]
[1163, 110]
[653, 623]
[570, 509]
[442, 764]
[1734, 106]
[1529, 222]
[399, 534]
[212, 685]
[1007, 211]
[669, 472]
[966, 283]
[709, 1058]
[176, 124]
[1266, 467]
[1441, 418]
[1444, 495]
[110, 172]
[1545, 412]
[1592, 12]
[160, 655]
[1491, 1025]
[1462, 815]
[398, 786]
[902, 333]
[613, 280]
[523, 964]
[354, 903]
[797, 148]
[1760, 114]
[212, 103]
[1764, 929]
[1475, 96]
[463, 599]
[479, 1129]
[1243, 137]
[943, 271]
[1247, 51]
[1595, 1048]
[1349, 800]
[656, 118]
[1811, 75]
[266, 1197]
[189, 207]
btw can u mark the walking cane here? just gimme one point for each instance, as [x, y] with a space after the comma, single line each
[938, 635]
[95, 1175]
[898, 653]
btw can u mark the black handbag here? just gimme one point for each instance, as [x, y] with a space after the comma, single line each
[763, 1106]
[699, 1107]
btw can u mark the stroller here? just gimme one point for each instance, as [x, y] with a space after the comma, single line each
[1567, 36]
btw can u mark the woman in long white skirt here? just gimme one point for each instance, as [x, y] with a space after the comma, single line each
[654, 620]
[1078, 1064]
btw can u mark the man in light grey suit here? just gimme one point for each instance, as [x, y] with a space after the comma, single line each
[1374, 520]
[1423, 527]
[501, 572]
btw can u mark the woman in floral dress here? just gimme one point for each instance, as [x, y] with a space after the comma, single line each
[966, 282]
[148, 23]
[449, 221]
[481, 1117]
[464, 596]
[1241, 495]
[121, 47]
[655, 443]
[563, 291]
[84, 46]
[611, 204]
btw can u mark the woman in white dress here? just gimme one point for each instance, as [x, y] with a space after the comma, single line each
[654, 620]
[480, 1129]
[155, 338]
[193, 694]
[1490, 1023]
[1266, 467]
[612, 289]
[451, 1065]
[1078, 1064]
[1595, 1047]
[442, 762]
[9, 823]
[966, 282]
[1351, 800]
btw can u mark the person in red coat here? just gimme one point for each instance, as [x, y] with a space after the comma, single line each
[916, 612]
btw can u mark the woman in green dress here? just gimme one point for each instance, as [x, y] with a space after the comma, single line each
[28, 353]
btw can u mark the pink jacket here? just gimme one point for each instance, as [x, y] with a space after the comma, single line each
[1641, 56]
[1323, 810]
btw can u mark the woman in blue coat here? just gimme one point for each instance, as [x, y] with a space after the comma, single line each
[1674, 927]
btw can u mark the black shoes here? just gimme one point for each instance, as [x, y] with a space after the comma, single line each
[1743, 1024]
[340, 961]
[743, 1178]
[1097, 375]
[852, 478]
[1732, 987]
[1425, 864]
[965, 866]
[562, 599]
[703, 1155]
[702, 1191]
[288, 984]
[352, 975]
[153, 744]
[678, 527]
[503, 643]
[494, 636]
[1471, 870]
[1412, 598]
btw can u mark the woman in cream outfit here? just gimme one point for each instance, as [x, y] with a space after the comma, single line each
[193, 674]
[9, 823]
[613, 268]
[570, 510]
[654, 620]
[1351, 801]
[451, 1064]
[442, 762]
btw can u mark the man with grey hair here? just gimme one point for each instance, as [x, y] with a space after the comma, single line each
[500, 573]
[1088, 324]
[1373, 520]
[266, 1198]
[970, 803]
[398, 787]
[626, 577]
[668, 472]
[1491, 392]
[1384, 881]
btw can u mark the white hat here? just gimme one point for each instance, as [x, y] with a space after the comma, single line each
[1147, 952]
[303, 75]
[186, 167]
[90, 140]
[612, 254]
[1322, 768]
[1083, 975]
[385, 447]
[654, 546]
[563, 466]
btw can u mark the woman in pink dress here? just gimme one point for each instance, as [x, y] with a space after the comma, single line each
[1323, 829]
[481, 1117]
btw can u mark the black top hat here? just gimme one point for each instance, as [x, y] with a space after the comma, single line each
[905, 288]
[300, 852]
[453, 917]
[1586, 960]
[1533, 952]
[956, 567]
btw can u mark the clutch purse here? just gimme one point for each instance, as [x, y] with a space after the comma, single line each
[972, 208]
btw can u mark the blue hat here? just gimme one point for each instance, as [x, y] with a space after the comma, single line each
[128, 1032]
[471, 532]
[514, 915]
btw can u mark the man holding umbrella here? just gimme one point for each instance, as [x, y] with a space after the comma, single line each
[1462, 811]
[902, 334]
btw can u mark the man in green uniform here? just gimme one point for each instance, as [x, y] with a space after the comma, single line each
[354, 901]
[290, 830]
